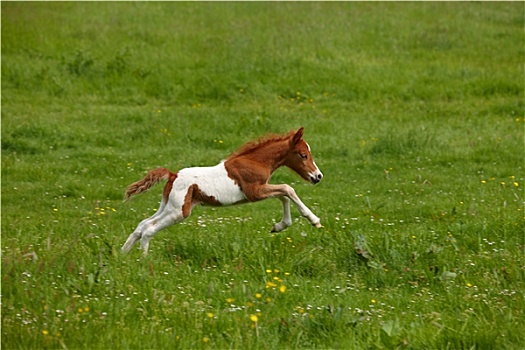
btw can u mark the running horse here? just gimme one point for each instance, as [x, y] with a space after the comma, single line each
[242, 177]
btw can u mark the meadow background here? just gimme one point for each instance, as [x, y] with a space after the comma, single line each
[415, 114]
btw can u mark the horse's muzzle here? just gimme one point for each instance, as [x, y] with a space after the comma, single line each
[316, 177]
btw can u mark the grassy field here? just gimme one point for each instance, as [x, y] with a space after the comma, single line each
[415, 114]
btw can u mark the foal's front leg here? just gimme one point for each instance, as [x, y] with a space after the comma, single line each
[286, 221]
[303, 209]
[286, 193]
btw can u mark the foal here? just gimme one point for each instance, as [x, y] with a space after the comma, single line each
[242, 177]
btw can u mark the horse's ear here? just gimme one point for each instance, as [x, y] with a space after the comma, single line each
[298, 135]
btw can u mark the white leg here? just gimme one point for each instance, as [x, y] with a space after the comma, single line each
[303, 209]
[166, 216]
[257, 193]
[286, 221]
[156, 225]
[137, 234]
[130, 242]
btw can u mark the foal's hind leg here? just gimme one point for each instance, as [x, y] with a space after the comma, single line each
[133, 238]
[137, 234]
[149, 227]
[153, 226]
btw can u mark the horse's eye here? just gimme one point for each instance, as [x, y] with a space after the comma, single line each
[304, 156]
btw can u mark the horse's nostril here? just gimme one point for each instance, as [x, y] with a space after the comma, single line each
[315, 178]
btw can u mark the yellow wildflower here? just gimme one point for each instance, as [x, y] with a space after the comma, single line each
[270, 285]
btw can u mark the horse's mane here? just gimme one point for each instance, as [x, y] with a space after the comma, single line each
[251, 146]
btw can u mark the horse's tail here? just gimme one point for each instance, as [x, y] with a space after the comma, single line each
[148, 181]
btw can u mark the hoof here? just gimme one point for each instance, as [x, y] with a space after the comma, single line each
[318, 225]
[278, 227]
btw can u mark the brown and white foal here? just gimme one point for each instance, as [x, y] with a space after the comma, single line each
[242, 177]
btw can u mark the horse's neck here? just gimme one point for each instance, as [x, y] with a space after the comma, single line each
[271, 155]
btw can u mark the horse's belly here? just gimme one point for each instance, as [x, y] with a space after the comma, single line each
[214, 183]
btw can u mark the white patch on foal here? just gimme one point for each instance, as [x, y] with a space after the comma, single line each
[212, 181]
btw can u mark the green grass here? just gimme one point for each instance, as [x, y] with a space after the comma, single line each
[415, 114]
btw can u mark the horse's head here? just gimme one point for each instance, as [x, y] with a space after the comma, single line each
[300, 159]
